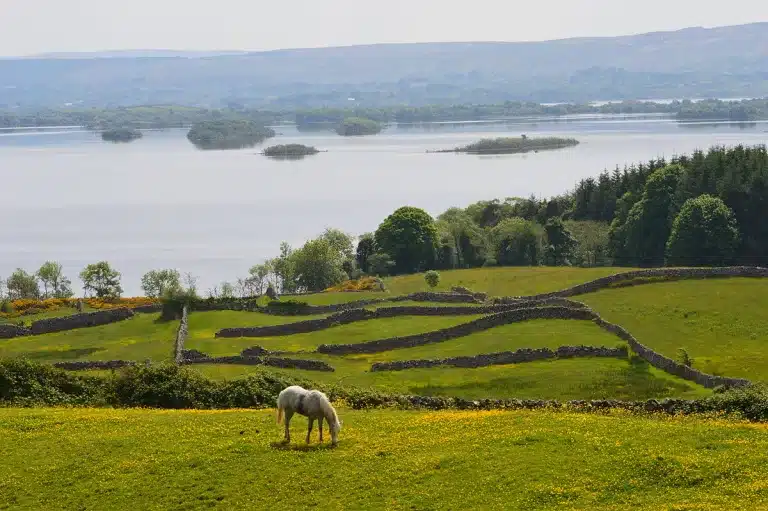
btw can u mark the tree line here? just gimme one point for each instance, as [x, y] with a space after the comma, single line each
[307, 118]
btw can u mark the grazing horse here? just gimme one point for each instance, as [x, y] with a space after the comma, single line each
[311, 403]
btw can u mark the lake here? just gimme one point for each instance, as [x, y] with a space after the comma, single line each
[158, 202]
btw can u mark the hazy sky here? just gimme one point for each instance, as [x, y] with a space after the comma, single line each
[34, 26]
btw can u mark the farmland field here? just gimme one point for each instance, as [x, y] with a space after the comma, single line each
[232, 459]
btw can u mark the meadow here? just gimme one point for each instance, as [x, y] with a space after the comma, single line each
[386, 459]
[717, 321]
[392, 458]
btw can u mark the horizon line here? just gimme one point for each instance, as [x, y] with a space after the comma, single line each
[94, 54]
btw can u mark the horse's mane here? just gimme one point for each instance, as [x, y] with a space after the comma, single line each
[328, 409]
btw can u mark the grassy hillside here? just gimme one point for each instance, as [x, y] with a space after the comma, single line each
[506, 281]
[721, 323]
[138, 338]
[120, 459]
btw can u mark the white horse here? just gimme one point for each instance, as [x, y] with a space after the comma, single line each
[311, 403]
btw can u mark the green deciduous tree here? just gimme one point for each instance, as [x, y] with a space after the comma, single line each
[517, 242]
[465, 238]
[22, 285]
[704, 233]
[560, 243]
[643, 237]
[318, 265]
[159, 283]
[257, 279]
[409, 237]
[380, 264]
[366, 247]
[101, 280]
[55, 284]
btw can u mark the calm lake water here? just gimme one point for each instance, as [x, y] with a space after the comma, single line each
[158, 202]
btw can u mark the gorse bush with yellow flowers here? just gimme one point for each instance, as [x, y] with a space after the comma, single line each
[27, 307]
[361, 284]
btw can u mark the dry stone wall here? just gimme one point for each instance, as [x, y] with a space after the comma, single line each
[85, 365]
[637, 278]
[354, 315]
[507, 357]
[82, 320]
[11, 331]
[668, 365]
[485, 323]
[181, 336]
[283, 363]
[148, 309]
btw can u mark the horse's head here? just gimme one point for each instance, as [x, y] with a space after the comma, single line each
[335, 427]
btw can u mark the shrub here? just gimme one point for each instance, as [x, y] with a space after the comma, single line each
[432, 278]
[361, 284]
[749, 402]
[25, 383]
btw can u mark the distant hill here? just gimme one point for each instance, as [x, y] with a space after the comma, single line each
[718, 62]
[128, 54]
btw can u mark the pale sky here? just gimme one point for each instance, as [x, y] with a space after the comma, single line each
[37, 26]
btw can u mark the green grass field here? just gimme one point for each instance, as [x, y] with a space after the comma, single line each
[350, 333]
[137, 338]
[719, 322]
[141, 459]
[28, 319]
[722, 323]
[506, 281]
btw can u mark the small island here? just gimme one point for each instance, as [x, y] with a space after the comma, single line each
[357, 127]
[289, 151]
[121, 135]
[513, 145]
[232, 134]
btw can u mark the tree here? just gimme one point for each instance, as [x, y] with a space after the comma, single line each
[257, 277]
[366, 247]
[318, 265]
[380, 264]
[432, 278]
[466, 238]
[643, 237]
[517, 242]
[101, 280]
[409, 237]
[22, 285]
[340, 241]
[159, 283]
[283, 268]
[55, 284]
[560, 243]
[704, 233]
[227, 290]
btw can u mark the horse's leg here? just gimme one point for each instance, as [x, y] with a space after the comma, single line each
[321, 429]
[309, 430]
[288, 415]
